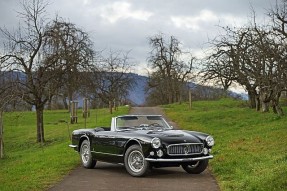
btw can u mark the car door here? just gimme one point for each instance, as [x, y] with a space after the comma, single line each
[106, 146]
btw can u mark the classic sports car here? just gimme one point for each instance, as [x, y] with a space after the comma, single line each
[141, 142]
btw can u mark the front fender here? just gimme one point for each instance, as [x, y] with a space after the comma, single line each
[82, 138]
[145, 146]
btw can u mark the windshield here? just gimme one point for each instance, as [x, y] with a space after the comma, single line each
[141, 123]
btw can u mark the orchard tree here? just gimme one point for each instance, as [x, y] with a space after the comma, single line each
[23, 53]
[74, 48]
[35, 54]
[171, 71]
[218, 68]
[110, 80]
[255, 58]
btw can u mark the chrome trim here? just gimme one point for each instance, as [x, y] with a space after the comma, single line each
[107, 154]
[85, 136]
[184, 154]
[179, 160]
[114, 123]
[73, 146]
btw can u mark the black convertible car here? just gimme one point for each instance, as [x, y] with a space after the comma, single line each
[141, 142]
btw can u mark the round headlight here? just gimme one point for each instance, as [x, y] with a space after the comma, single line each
[210, 141]
[155, 143]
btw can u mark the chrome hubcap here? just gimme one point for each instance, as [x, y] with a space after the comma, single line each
[85, 153]
[136, 161]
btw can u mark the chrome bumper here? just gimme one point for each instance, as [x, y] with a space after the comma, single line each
[179, 160]
[73, 146]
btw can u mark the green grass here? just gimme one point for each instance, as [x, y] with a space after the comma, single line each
[32, 166]
[251, 147]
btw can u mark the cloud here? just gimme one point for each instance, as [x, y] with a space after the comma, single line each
[127, 24]
[206, 18]
[122, 10]
[194, 22]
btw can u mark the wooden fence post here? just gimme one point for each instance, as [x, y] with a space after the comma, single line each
[74, 113]
[115, 105]
[190, 99]
[86, 108]
[1, 137]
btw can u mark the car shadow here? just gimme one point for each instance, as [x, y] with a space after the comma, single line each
[166, 172]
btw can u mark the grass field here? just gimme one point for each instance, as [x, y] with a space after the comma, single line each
[251, 147]
[250, 151]
[31, 166]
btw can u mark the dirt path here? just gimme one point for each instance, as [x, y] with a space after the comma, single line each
[110, 177]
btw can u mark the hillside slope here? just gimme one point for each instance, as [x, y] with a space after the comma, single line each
[137, 94]
[250, 151]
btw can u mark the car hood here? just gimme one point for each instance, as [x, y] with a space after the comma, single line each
[173, 136]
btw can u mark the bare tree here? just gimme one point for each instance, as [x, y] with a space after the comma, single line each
[255, 58]
[278, 15]
[23, 53]
[218, 68]
[75, 49]
[111, 79]
[171, 71]
[35, 54]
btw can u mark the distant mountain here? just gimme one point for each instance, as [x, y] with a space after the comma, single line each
[137, 93]
[138, 96]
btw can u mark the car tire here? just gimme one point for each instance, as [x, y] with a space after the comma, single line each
[86, 156]
[196, 167]
[135, 162]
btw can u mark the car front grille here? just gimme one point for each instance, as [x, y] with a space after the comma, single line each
[184, 149]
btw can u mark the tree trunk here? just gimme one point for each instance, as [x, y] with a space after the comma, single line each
[265, 106]
[258, 105]
[265, 99]
[115, 105]
[276, 105]
[111, 107]
[65, 103]
[278, 110]
[1, 137]
[252, 98]
[50, 104]
[40, 125]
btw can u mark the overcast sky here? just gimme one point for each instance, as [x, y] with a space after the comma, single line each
[126, 25]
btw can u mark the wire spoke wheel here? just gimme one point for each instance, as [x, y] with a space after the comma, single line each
[86, 156]
[85, 153]
[135, 162]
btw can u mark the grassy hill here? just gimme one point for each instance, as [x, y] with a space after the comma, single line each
[250, 151]
[251, 147]
[32, 166]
